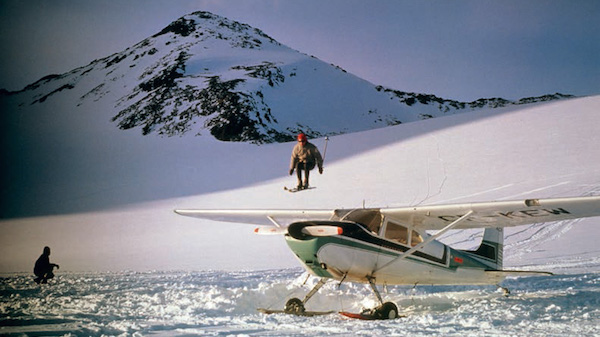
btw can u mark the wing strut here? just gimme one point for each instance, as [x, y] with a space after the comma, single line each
[273, 221]
[426, 242]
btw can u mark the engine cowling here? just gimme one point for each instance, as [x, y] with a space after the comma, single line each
[309, 229]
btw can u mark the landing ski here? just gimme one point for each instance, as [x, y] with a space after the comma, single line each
[357, 316]
[366, 316]
[301, 313]
[295, 189]
[387, 310]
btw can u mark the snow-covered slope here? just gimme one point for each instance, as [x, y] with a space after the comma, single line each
[103, 198]
[205, 74]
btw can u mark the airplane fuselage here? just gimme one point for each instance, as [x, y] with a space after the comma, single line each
[358, 254]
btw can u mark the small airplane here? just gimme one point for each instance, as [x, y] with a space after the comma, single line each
[391, 246]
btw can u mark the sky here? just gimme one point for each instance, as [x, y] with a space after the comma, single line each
[461, 50]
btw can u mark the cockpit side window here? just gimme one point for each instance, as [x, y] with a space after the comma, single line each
[415, 238]
[396, 232]
[374, 225]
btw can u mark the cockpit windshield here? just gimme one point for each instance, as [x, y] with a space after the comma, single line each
[369, 218]
[373, 221]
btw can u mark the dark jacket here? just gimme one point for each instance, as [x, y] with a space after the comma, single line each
[43, 265]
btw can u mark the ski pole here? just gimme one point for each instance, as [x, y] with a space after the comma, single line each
[325, 149]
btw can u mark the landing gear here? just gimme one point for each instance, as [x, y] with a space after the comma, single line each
[387, 310]
[295, 306]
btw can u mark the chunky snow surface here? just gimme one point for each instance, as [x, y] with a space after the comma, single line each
[224, 304]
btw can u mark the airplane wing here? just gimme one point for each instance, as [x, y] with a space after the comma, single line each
[497, 214]
[270, 217]
[484, 214]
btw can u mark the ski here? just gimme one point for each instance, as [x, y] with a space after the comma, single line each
[295, 189]
[387, 310]
[365, 316]
[302, 313]
[357, 316]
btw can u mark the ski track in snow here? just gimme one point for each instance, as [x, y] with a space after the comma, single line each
[224, 303]
[438, 157]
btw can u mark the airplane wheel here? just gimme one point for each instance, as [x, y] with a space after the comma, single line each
[388, 311]
[294, 306]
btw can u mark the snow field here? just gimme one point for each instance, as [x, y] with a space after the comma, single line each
[224, 303]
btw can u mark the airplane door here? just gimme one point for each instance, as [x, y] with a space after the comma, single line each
[399, 233]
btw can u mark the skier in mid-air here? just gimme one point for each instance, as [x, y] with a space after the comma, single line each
[305, 156]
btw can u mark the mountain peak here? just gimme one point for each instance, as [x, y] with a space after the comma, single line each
[201, 23]
[206, 73]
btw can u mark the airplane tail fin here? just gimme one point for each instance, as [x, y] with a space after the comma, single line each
[491, 249]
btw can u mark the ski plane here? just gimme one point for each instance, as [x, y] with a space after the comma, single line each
[391, 246]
